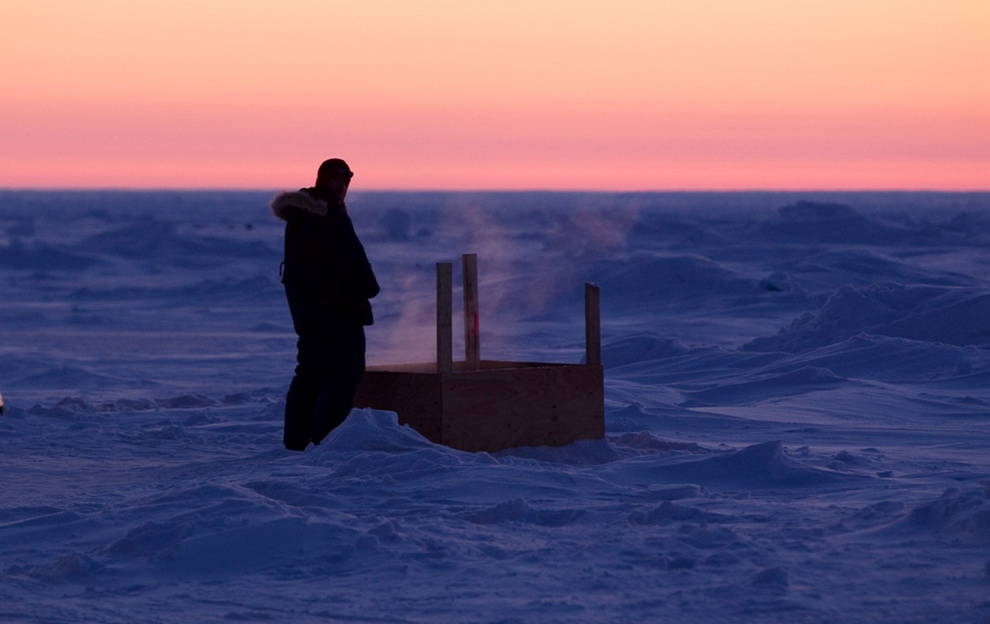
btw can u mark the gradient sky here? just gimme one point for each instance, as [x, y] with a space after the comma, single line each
[501, 94]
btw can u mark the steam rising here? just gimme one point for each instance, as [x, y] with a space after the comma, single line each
[509, 239]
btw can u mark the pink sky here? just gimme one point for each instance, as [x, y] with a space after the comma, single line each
[509, 94]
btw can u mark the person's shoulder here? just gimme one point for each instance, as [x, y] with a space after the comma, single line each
[288, 204]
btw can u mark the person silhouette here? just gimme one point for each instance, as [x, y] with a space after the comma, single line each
[328, 284]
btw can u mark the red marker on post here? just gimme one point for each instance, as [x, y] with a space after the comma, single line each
[472, 342]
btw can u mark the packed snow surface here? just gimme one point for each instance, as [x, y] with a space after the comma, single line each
[797, 414]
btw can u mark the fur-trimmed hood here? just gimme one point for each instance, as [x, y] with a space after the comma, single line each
[284, 203]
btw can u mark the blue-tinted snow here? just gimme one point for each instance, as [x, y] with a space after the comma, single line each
[797, 414]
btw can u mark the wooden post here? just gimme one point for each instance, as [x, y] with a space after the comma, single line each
[472, 346]
[592, 325]
[445, 346]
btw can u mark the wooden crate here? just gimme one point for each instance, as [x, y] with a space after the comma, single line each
[485, 405]
[499, 405]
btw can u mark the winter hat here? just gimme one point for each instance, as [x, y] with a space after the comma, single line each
[334, 169]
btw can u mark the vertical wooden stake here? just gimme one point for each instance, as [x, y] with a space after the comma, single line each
[472, 346]
[592, 325]
[445, 345]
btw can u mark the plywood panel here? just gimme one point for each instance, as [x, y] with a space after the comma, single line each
[493, 410]
[502, 405]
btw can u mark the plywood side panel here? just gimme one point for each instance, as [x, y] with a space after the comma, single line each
[508, 404]
[498, 409]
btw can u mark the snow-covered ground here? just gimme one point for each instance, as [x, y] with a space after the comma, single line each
[797, 414]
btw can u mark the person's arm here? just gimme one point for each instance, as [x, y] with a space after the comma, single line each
[357, 276]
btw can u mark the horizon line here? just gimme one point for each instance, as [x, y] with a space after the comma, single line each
[224, 189]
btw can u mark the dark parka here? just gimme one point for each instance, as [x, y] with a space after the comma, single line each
[328, 279]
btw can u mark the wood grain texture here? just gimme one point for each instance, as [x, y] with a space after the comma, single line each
[534, 406]
[445, 330]
[592, 325]
[472, 338]
[501, 405]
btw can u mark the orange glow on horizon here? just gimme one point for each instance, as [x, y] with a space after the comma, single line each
[441, 94]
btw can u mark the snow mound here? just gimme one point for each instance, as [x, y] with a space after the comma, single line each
[773, 385]
[959, 514]
[760, 464]
[667, 512]
[42, 258]
[68, 377]
[209, 530]
[69, 567]
[149, 237]
[866, 356]
[669, 277]
[374, 430]
[955, 316]
[644, 440]
[519, 510]
[764, 465]
[640, 348]
[831, 222]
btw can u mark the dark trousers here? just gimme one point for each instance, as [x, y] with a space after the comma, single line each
[321, 395]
